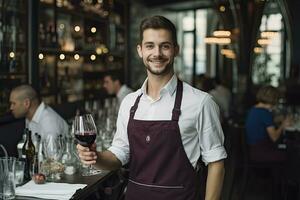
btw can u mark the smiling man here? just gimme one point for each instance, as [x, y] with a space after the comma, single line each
[164, 128]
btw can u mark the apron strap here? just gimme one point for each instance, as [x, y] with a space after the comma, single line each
[176, 110]
[134, 107]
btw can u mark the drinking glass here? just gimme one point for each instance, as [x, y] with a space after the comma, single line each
[85, 132]
[52, 149]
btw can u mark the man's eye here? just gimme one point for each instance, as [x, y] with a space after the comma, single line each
[166, 46]
[149, 46]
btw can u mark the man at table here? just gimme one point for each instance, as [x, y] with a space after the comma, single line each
[163, 128]
[114, 85]
[40, 118]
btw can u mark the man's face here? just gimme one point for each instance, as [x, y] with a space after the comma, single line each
[18, 106]
[109, 85]
[158, 51]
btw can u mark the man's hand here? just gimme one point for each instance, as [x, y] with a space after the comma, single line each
[87, 155]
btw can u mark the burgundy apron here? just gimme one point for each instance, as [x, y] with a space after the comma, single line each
[159, 167]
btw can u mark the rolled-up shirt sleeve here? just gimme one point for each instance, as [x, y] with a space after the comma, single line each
[210, 132]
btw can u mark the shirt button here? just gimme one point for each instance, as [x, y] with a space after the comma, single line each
[148, 139]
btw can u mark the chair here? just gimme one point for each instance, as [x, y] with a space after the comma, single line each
[293, 165]
[233, 162]
[251, 167]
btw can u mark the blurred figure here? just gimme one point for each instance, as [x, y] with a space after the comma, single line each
[222, 96]
[199, 81]
[261, 131]
[204, 83]
[114, 85]
[40, 118]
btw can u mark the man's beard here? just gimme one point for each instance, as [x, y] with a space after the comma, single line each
[163, 71]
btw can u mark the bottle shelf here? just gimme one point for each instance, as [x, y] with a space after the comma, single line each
[79, 45]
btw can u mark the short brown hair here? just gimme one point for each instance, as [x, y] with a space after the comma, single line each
[158, 22]
[268, 94]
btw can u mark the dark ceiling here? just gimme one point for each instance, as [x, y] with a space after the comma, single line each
[179, 4]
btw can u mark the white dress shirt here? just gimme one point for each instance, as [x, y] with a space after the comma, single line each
[46, 121]
[199, 124]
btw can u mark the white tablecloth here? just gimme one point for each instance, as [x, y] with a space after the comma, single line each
[59, 191]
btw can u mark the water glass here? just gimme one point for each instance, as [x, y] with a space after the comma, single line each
[7, 179]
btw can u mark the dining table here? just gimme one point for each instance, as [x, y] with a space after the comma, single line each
[99, 186]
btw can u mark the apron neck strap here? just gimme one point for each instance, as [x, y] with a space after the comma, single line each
[176, 110]
[134, 107]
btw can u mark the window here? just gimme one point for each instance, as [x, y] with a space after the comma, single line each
[188, 35]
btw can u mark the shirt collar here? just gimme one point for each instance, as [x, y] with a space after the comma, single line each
[38, 113]
[170, 87]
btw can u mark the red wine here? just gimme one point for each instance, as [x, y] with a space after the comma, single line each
[85, 140]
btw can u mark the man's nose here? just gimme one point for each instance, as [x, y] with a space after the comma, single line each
[157, 51]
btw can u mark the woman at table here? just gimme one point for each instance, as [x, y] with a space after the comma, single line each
[261, 131]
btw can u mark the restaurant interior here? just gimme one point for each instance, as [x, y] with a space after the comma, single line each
[65, 48]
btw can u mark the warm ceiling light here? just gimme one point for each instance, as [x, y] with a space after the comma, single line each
[93, 29]
[231, 56]
[99, 50]
[226, 51]
[77, 28]
[268, 34]
[11, 54]
[221, 33]
[93, 57]
[263, 42]
[41, 56]
[76, 56]
[258, 50]
[222, 8]
[215, 40]
[62, 56]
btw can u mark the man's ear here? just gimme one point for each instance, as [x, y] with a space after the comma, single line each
[139, 50]
[27, 103]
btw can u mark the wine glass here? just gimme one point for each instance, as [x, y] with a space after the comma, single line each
[52, 150]
[85, 132]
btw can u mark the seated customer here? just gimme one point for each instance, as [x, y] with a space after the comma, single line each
[40, 118]
[261, 132]
[114, 85]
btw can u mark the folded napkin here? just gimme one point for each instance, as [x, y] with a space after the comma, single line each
[59, 191]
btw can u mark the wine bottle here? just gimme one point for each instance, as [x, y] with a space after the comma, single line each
[28, 151]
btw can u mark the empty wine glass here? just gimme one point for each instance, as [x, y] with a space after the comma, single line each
[85, 132]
